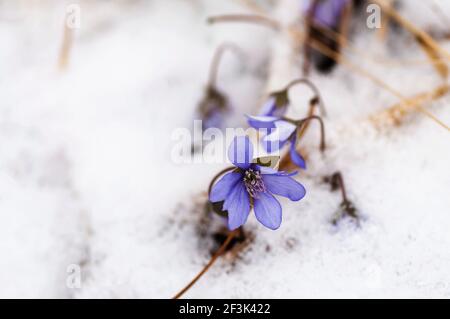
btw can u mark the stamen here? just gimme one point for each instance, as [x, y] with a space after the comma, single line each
[254, 183]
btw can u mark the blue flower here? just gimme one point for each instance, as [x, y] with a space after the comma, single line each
[327, 13]
[279, 132]
[252, 185]
[276, 105]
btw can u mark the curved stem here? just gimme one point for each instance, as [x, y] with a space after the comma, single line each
[313, 88]
[247, 18]
[312, 104]
[322, 129]
[216, 61]
[218, 253]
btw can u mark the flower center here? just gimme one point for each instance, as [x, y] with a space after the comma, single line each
[254, 183]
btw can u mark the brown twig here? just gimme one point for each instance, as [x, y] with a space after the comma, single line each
[309, 21]
[64, 54]
[344, 26]
[383, 31]
[218, 253]
[337, 182]
[399, 110]
[340, 59]
[421, 35]
[340, 181]
[334, 55]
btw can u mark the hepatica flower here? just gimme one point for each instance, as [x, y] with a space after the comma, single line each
[252, 185]
[276, 104]
[327, 13]
[280, 132]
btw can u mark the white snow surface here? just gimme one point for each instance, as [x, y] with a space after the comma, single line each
[87, 178]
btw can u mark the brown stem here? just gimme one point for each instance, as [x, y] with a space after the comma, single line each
[322, 129]
[313, 88]
[309, 21]
[344, 24]
[312, 105]
[340, 59]
[410, 27]
[247, 18]
[337, 181]
[64, 54]
[216, 61]
[337, 57]
[340, 181]
[218, 253]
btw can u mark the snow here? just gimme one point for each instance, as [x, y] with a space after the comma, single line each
[86, 175]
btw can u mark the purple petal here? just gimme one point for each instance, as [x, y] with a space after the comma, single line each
[213, 119]
[268, 210]
[280, 111]
[296, 157]
[272, 171]
[269, 107]
[273, 146]
[328, 12]
[278, 136]
[284, 185]
[282, 132]
[224, 186]
[240, 152]
[267, 170]
[261, 121]
[238, 206]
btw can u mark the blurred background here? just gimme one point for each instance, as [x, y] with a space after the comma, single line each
[89, 190]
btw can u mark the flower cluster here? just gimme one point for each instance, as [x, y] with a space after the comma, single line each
[250, 185]
[282, 130]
